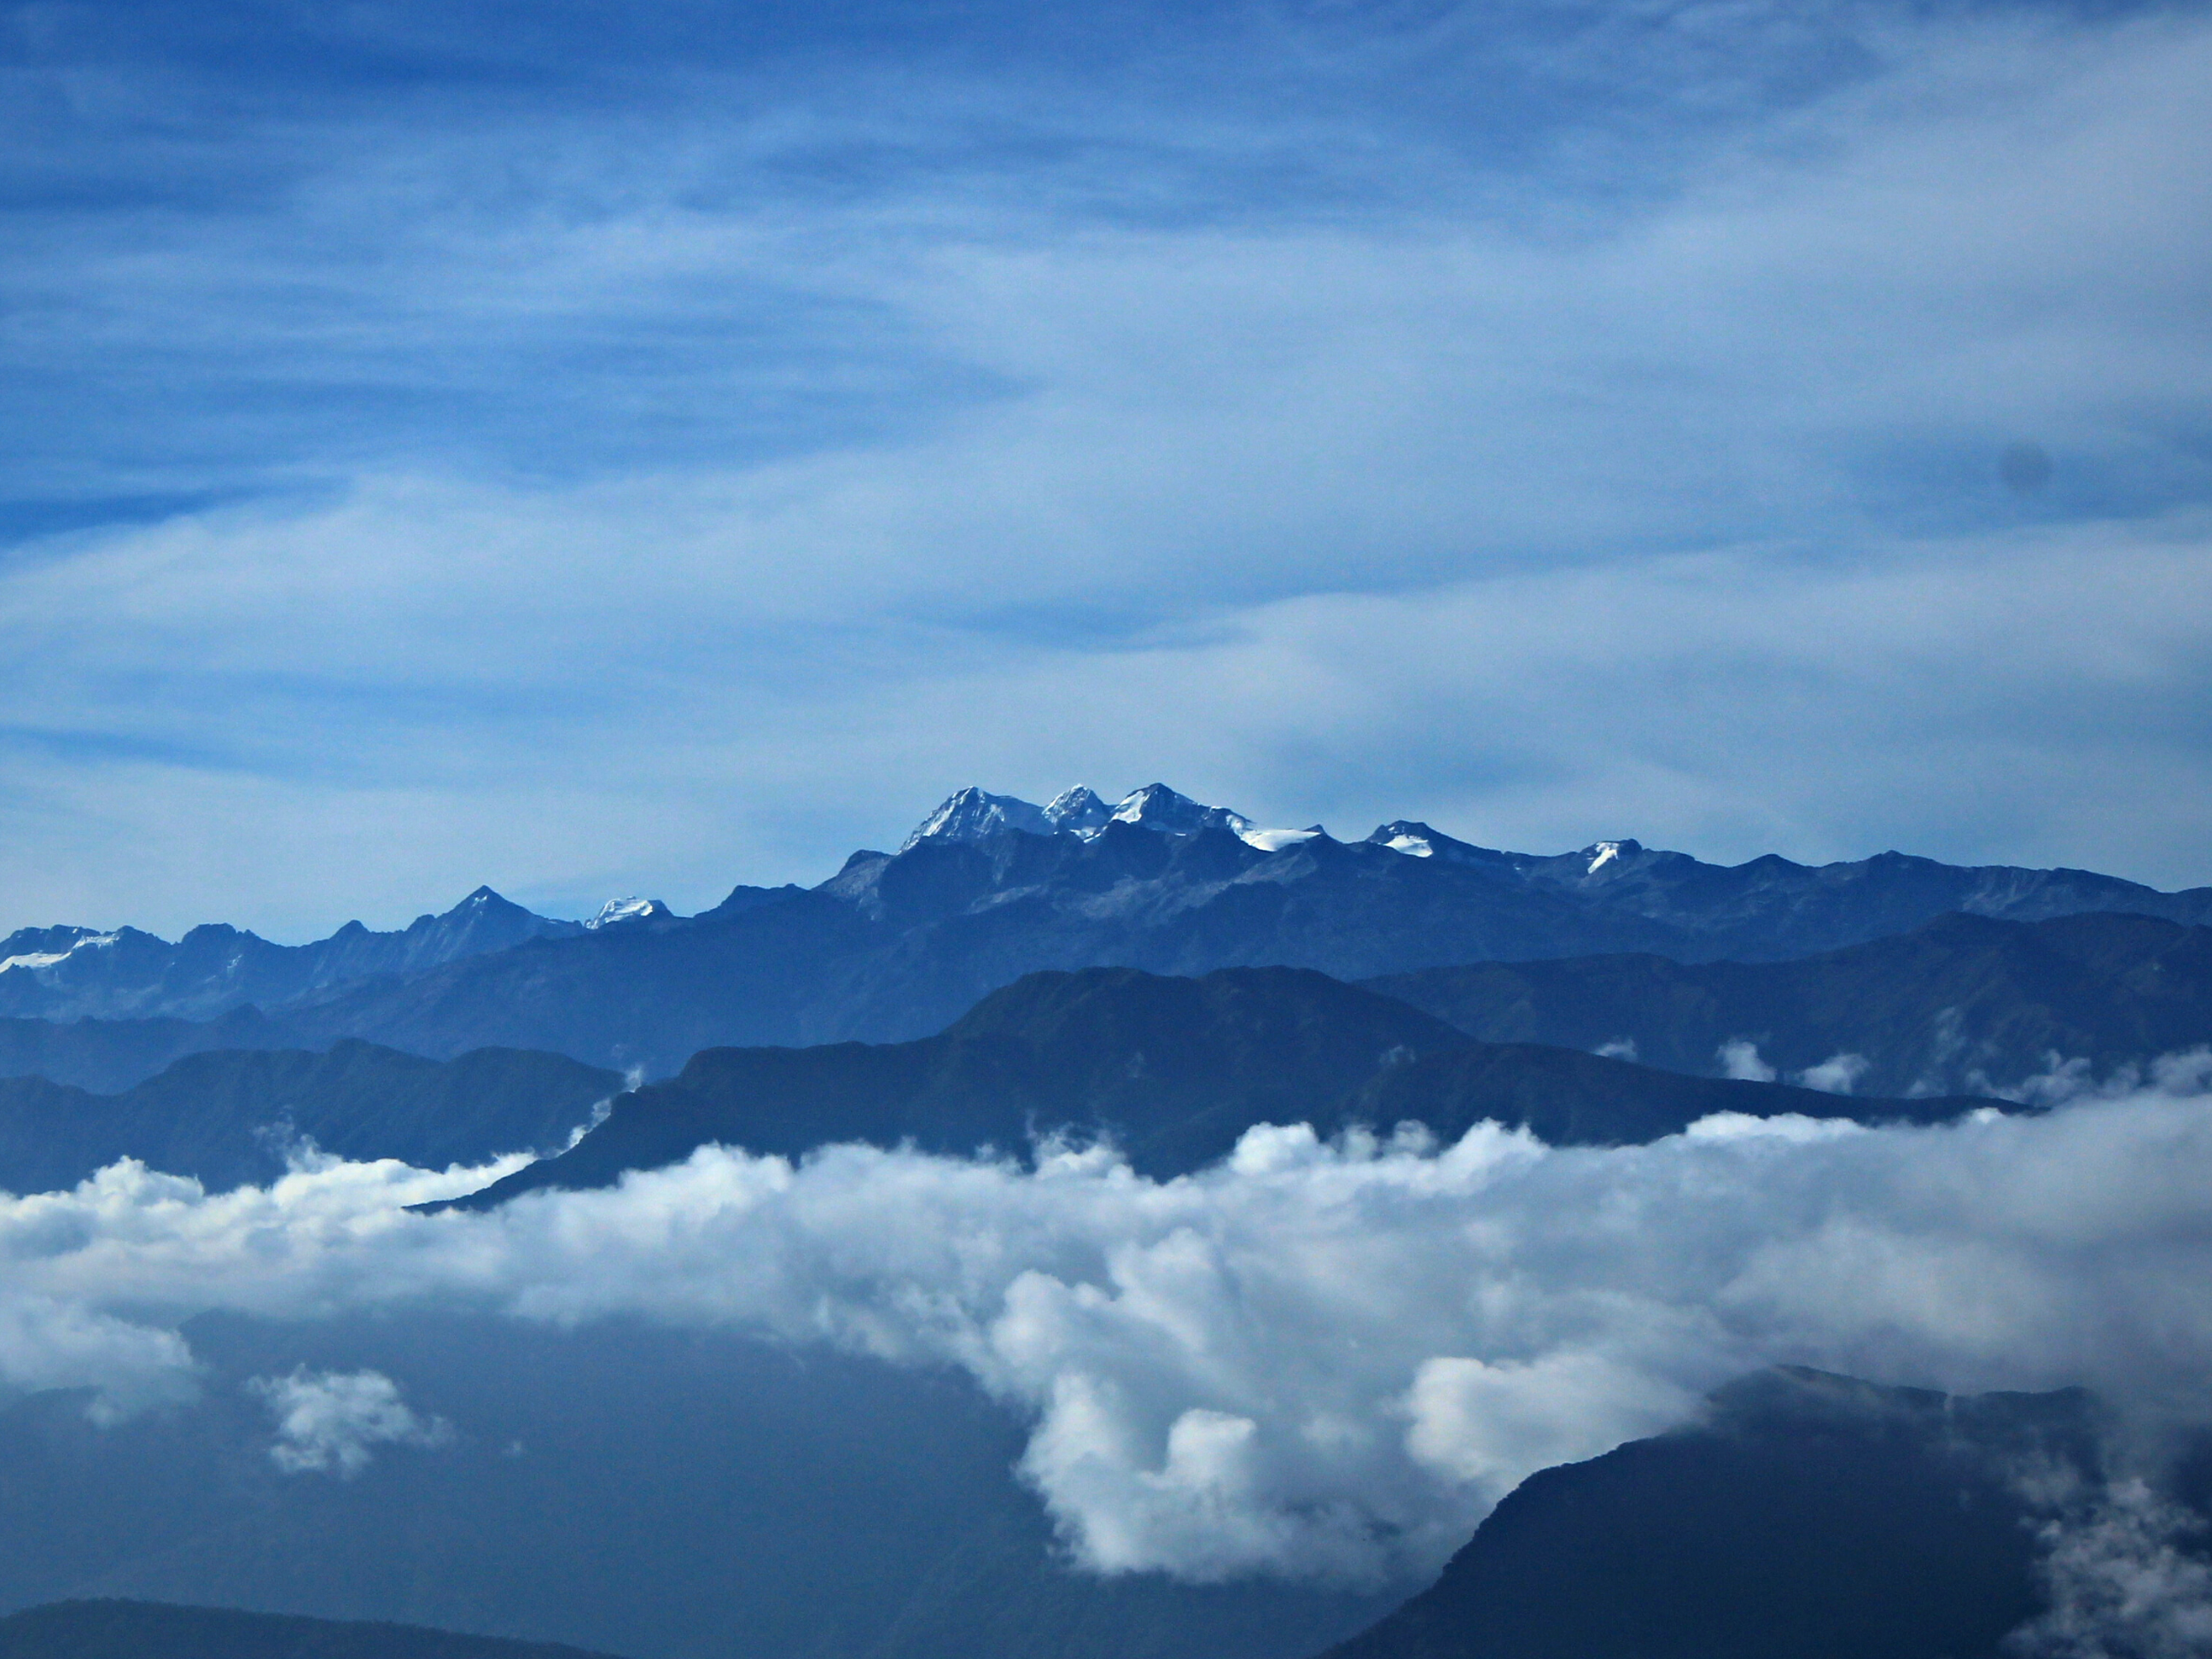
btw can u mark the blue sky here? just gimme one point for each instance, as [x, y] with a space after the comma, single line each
[596, 449]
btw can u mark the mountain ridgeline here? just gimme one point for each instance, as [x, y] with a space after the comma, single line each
[1963, 1004]
[1810, 1515]
[1156, 973]
[897, 945]
[153, 1630]
[79, 973]
[1172, 1070]
[231, 1117]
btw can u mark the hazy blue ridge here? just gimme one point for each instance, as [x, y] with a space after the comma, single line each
[1963, 1004]
[233, 1117]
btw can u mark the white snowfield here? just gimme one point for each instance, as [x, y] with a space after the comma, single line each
[37, 959]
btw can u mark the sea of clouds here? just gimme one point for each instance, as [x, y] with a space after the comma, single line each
[1315, 1359]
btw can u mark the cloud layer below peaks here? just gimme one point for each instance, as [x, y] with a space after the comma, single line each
[1312, 1361]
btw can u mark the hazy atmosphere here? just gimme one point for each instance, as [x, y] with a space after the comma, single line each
[590, 453]
[615, 1028]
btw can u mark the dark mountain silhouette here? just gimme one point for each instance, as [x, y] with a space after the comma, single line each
[1174, 1070]
[1965, 1004]
[229, 1117]
[1811, 1516]
[154, 1630]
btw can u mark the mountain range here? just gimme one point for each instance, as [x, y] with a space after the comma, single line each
[896, 946]
[1171, 1070]
[1965, 1004]
[80, 972]
[1155, 971]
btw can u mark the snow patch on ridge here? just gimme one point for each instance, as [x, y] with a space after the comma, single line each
[47, 958]
[1275, 841]
[626, 912]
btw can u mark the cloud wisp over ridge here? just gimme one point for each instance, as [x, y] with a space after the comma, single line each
[1311, 1360]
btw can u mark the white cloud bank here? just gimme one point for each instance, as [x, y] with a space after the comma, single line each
[1312, 1359]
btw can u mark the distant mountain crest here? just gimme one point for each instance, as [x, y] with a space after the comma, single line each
[1077, 812]
[77, 973]
[973, 814]
[628, 913]
[1156, 806]
[46, 947]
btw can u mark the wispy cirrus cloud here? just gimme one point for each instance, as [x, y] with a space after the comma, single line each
[541, 437]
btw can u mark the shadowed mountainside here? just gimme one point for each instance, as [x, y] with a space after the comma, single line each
[1173, 1070]
[1810, 1516]
[229, 1117]
[154, 1630]
[1964, 1005]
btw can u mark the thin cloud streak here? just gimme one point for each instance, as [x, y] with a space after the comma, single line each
[597, 480]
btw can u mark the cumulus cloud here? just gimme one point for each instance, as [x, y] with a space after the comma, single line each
[1311, 1359]
[327, 1421]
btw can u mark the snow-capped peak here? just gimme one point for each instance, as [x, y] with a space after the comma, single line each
[971, 814]
[1077, 812]
[1156, 806]
[628, 913]
[1603, 853]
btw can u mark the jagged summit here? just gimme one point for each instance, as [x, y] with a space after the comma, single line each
[972, 814]
[45, 947]
[628, 913]
[1156, 806]
[1078, 811]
